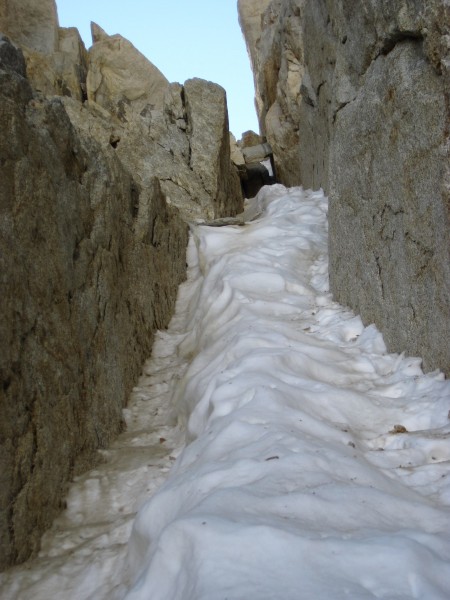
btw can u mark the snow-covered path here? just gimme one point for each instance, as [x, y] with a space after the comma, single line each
[317, 465]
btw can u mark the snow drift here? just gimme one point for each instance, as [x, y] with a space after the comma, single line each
[318, 464]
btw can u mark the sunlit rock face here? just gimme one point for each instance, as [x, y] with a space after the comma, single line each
[120, 78]
[56, 56]
[31, 24]
[94, 211]
[354, 98]
[250, 19]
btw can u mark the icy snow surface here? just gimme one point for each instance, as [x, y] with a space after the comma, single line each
[316, 465]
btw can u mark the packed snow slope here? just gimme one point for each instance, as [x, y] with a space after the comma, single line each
[316, 465]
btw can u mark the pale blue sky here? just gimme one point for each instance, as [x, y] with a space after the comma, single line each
[183, 38]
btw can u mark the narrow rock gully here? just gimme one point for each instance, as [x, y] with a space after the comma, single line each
[274, 449]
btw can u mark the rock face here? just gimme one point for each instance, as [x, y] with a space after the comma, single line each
[120, 78]
[31, 24]
[250, 19]
[94, 205]
[90, 265]
[167, 143]
[209, 138]
[56, 57]
[355, 99]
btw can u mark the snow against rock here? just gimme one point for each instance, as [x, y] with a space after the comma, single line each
[316, 465]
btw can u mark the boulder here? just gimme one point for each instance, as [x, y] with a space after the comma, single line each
[257, 153]
[120, 79]
[354, 99]
[237, 158]
[254, 161]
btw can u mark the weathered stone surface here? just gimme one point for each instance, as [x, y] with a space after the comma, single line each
[71, 63]
[90, 265]
[208, 132]
[389, 206]
[237, 157]
[11, 57]
[200, 181]
[355, 99]
[31, 24]
[250, 138]
[92, 249]
[250, 18]
[56, 58]
[62, 73]
[81, 247]
[276, 50]
[120, 79]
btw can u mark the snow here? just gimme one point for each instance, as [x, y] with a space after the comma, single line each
[274, 448]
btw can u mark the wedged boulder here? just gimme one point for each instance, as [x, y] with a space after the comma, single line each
[353, 98]
[253, 158]
[120, 79]
[250, 138]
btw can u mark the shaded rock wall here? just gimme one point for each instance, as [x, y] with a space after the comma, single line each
[354, 98]
[90, 265]
[100, 174]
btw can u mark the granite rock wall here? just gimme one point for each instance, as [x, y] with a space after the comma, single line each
[100, 175]
[354, 98]
[90, 265]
